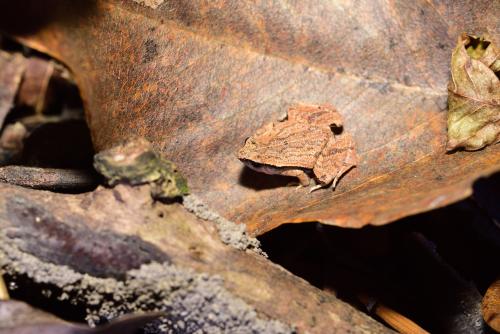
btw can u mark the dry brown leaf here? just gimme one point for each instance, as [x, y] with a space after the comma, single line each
[491, 305]
[24, 81]
[34, 86]
[196, 78]
[12, 67]
[474, 94]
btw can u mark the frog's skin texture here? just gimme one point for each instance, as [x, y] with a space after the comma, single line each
[303, 145]
[136, 163]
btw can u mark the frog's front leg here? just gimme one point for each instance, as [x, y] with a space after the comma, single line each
[283, 116]
[304, 179]
[318, 186]
[331, 180]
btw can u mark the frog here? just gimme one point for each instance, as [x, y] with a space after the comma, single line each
[308, 143]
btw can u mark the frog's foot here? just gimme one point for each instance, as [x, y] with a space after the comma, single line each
[305, 183]
[330, 182]
[338, 176]
[304, 180]
[316, 187]
[283, 117]
[336, 179]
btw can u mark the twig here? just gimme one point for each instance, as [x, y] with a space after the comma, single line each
[48, 178]
[394, 319]
[4, 293]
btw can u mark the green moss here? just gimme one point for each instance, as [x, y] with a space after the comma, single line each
[476, 47]
[136, 163]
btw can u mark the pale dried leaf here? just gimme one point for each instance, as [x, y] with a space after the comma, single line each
[474, 95]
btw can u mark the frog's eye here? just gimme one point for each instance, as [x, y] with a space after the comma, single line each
[336, 129]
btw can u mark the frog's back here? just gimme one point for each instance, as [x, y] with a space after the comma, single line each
[286, 145]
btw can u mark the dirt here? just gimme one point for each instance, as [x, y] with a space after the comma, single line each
[230, 233]
[194, 302]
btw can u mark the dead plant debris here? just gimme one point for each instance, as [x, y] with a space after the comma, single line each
[153, 95]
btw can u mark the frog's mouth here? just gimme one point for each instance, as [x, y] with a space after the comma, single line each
[266, 169]
[263, 168]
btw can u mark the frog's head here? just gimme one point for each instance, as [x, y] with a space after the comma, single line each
[248, 150]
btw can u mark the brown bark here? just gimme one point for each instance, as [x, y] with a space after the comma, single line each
[109, 232]
[49, 178]
[20, 318]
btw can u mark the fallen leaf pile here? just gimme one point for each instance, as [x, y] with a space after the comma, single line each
[171, 93]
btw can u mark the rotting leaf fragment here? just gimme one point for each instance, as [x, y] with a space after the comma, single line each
[136, 163]
[474, 94]
[12, 67]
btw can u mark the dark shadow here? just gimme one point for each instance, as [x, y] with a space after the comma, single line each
[57, 138]
[487, 195]
[175, 200]
[24, 288]
[432, 267]
[261, 181]
[23, 17]
[64, 144]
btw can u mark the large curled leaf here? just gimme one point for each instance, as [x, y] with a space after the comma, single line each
[474, 94]
[196, 78]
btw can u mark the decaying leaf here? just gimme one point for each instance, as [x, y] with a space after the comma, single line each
[197, 78]
[26, 80]
[474, 94]
[35, 83]
[136, 163]
[491, 305]
[12, 142]
[12, 67]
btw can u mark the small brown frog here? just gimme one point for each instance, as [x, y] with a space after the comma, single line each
[302, 145]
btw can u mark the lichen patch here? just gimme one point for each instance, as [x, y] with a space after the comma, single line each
[150, 3]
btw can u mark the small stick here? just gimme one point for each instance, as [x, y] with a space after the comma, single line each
[48, 178]
[4, 293]
[394, 319]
